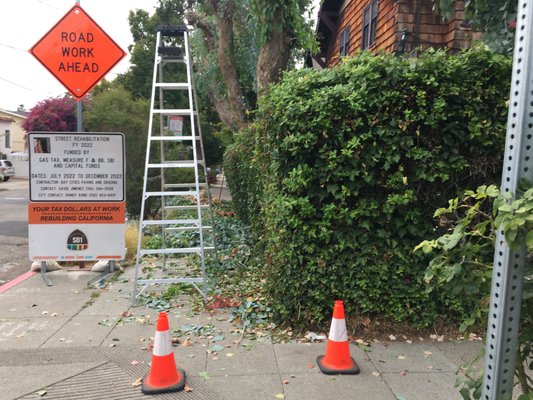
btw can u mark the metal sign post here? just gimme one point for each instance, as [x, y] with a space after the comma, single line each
[508, 271]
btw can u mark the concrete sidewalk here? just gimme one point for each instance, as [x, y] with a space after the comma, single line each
[72, 342]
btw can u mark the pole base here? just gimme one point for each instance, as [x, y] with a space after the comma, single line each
[353, 370]
[179, 386]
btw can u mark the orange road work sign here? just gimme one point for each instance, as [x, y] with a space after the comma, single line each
[77, 52]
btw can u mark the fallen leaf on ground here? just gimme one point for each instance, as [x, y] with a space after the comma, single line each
[310, 366]
[433, 337]
[135, 362]
[204, 374]
[376, 373]
[427, 353]
[41, 392]
[53, 314]
[216, 348]
[403, 373]
[187, 342]
[137, 382]
[392, 337]
[187, 388]
[430, 366]
[44, 312]
[408, 341]
[285, 382]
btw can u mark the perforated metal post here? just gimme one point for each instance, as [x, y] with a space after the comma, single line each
[508, 272]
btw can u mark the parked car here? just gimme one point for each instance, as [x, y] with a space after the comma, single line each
[6, 169]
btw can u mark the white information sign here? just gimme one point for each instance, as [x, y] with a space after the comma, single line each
[76, 166]
[175, 125]
[77, 208]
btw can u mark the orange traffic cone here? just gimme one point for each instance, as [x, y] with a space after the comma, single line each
[337, 359]
[164, 376]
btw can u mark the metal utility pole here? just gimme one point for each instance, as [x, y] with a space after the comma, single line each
[509, 264]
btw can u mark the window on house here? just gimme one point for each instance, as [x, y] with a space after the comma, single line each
[344, 42]
[370, 21]
[8, 139]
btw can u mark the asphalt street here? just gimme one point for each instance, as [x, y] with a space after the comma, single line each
[13, 229]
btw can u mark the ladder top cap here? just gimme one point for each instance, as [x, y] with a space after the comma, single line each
[172, 30]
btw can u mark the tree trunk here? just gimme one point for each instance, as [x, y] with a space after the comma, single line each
[222, 106]
[226, 59]
[273, 57]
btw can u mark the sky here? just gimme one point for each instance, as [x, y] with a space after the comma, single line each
[23, 80]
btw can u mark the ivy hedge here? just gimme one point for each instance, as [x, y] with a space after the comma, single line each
[344, 167]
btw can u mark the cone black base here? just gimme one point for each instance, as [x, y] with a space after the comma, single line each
[353, 370]
[177, 387]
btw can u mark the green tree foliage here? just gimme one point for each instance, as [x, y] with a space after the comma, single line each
[246, 44]
[495, 18]
[352, 161]
[463, 259]
[115, 110]
[138, 80]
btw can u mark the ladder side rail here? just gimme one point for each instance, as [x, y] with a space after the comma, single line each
[162, 158]
[147, 161]
[195, 156]
[206, 177]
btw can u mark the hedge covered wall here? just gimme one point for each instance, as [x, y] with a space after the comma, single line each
[347, 166]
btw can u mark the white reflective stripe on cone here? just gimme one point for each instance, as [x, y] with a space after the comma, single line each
[162, 344]
[337, 332]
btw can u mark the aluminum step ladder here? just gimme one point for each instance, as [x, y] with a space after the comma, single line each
[176, 200]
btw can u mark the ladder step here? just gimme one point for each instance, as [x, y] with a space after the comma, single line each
[172, 138]
[170, 221]
[170, 51]
[191, 207]
[174, 111]
[184, 193]
[172, 86]
[183, 250]
[172, 30]
[183, 185]
[187, 228]
[175, 164]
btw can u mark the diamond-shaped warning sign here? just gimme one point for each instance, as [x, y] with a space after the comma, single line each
[77, 52]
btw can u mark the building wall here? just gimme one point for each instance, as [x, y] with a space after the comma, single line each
[425, 28]
[17, 132]
[4, 125]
